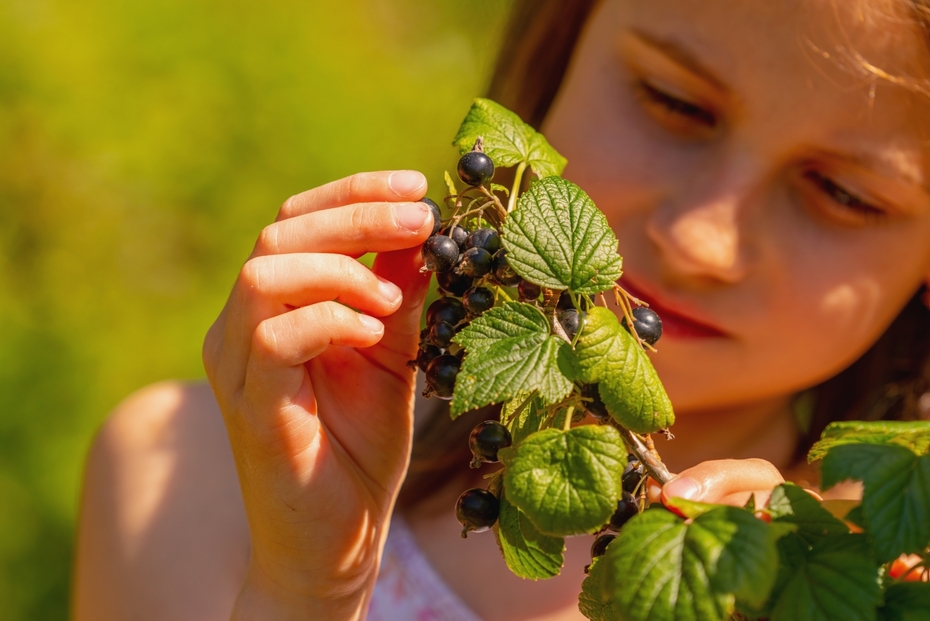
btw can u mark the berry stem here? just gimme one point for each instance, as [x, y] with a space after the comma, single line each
[567, 423]
[517, 181]
[649, 459]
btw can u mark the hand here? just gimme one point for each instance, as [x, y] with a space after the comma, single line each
[316, 397]
[723, 481]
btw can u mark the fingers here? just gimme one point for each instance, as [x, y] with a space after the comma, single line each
[272, 284]
[370, 187]
[402, 327]
[351, 230]
[725, 481]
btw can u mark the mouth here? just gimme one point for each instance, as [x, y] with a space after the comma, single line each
[678, 321]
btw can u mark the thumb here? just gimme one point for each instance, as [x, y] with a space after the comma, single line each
[727, 481]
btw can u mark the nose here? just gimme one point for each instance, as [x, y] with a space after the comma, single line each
[701, 228]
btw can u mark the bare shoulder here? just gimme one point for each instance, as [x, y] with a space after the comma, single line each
[162, 530]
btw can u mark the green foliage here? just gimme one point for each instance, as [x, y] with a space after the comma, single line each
[896, 499]
[508, 141]
[510, 351]
[906, 601]
[567, 482]
[913, 435]
[557, 238]
[528, 553]
[665, 568]
[790, 504]
[608, 355]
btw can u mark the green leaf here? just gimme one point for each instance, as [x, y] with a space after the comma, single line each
[527, 421]
[567, 482]
[527, 552]
[792, 505]
[557, 238]
[496, 187]
[509, 352]
[608, 355]
[592, 602]
[450, 184]
[836, 579]
[662, 568]
[507, 139]
[912, 435]
[906, 601]
[896, 498]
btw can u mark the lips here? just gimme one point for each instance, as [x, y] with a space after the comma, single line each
[677, 321]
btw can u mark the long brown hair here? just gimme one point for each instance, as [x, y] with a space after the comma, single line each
[885, 383]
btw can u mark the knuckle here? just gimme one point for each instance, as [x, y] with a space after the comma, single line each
[360, 220]
[289, 206]
[251, 276]
[268, 239]
[265, 340]
[332, 316]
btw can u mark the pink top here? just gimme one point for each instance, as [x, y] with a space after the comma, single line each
[408, 588]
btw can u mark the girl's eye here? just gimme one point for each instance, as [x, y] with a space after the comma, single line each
[849, 204]
[674, 113]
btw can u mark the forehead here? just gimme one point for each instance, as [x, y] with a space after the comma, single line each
[825, 69]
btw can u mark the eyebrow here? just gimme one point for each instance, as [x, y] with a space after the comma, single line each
[680, 55]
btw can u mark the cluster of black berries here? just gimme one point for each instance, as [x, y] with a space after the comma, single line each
[477, 509]
[627, 507]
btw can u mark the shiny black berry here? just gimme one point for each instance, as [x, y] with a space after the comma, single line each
[503, 271]
[626, 509]
[489, 239]
[440, 334]
[571, 321]
[476, 262]
[486, 440]
[529, 291]
[647, 324]
[437, 215]
[477, 300]
[599, 547]
[454, 284]
[440, 376]
[595, 406]
[633, 474]
[460, 235]
[449, 310]
[475, 168]
[440, 253]
[426, 354]
[477, 510]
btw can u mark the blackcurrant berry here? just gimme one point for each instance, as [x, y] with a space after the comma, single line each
[440, 376]
[454, 284]
[440, 334]
[440, 253]
[426, 354]
[489, 239]
[486, 440]
[595, 406]
[476, 262]
[633, 474]
[460, 235]
[572, 322]
[529, 291]
[503, 271]
[477, 510]
[565, 301]
[647, 324]
[599, 547]
[437, 215]
[475, 168]
[449, 310]
[477, 300]
[626, 509]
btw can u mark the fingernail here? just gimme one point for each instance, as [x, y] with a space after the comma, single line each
[406, 182]
[389, 291]
[371, 324]
[412, 216]
[682, 487]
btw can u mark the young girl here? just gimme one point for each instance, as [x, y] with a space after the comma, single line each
[763, 165]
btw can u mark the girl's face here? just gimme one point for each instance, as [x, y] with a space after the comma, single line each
[770, 195]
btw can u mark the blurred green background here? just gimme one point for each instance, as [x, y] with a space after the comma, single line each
[143, 145]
